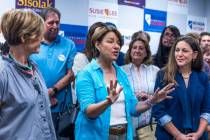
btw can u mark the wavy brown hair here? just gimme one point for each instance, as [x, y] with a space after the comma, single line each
[147, 60]
[171, 67]
[88, 47]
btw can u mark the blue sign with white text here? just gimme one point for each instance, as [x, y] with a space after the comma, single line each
[154, 20]
[76, 33]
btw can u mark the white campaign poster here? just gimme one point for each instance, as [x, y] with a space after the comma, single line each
[178, 6]
[196, 24]
[103, 12]
[126, 35]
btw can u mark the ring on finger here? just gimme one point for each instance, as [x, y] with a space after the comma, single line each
[112, 91]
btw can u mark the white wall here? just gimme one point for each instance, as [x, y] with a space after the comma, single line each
[207, 13]
[130, 18]
[73, 11]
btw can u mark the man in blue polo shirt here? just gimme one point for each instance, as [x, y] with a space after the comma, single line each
[55, 62]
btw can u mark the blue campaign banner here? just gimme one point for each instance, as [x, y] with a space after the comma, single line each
[154, 20]
[76, 33]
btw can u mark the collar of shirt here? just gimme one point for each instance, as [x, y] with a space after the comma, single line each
[134, 66]
[26, 69]
[57, 40]
[97, 66]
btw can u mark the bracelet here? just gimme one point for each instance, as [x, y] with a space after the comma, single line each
[148, 102]
[55, 90]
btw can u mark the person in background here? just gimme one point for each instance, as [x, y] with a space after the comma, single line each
[206, 55]
[84, 58]
[142, 75]
[55, 61]
[105, 95]
[186, 115]
[167, 39]
[196, 36]
[141, 34]
[24, 103]
[204, 39]
[206, 58]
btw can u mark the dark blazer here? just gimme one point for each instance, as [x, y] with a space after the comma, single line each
[199, 90]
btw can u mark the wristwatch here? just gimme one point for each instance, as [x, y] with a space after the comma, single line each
[55, 90]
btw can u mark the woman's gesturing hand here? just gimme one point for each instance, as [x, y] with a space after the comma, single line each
[162, 94]
[113, 91]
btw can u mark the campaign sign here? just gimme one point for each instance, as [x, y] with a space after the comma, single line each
[196, 24]
[154, 20]
[35, 5]
[135, 3]
[76, 33]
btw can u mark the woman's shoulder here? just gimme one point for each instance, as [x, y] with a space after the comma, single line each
[153, 67]
[80, 58]
[90, 67]
[80, 54]
[202, 76]
[126, 67]
[4, 65]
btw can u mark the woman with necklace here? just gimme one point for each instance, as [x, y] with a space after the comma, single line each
[106, 99]
[186, 115]
[142, 75]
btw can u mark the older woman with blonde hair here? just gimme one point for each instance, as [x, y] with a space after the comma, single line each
[24, 102]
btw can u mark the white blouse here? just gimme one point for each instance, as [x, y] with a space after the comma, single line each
[80, 61]
[142, 80]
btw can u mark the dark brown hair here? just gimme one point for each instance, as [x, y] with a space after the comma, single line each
[171, 67]
[88, 47]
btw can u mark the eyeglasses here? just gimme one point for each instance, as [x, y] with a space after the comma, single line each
[167, 34]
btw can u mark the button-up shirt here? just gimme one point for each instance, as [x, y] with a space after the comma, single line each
[25, 107]
[53, 61]
[91, 89]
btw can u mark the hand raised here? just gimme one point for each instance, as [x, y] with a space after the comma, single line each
[163, 93]
[113, 92]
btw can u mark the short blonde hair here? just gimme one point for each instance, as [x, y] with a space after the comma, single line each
[21, 24]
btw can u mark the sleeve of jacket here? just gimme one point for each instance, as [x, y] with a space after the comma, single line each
[159, 110]
[85, 89]
[205, 109]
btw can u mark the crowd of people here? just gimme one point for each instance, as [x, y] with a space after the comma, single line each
[131, 96]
